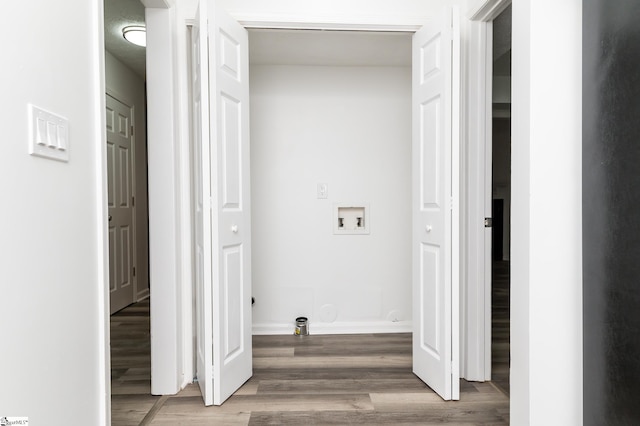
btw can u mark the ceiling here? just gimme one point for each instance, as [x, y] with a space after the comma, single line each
[117, 15]
[502, 43]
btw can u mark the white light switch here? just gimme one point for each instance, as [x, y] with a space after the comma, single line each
[323, 191]
[48, 134]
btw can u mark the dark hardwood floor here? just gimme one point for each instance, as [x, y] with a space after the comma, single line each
[500, 325]
[314, 380]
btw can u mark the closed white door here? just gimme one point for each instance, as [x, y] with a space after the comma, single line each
[225, 163]
[435, 107]
[120, 202]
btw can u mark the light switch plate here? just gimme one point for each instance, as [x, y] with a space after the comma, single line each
[48, 134]
[323, 191]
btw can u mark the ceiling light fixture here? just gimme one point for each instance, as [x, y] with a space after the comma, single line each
[135, 34]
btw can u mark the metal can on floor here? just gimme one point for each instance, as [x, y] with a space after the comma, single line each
[302, 326]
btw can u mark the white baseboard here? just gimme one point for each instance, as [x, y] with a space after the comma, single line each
[336, 328]
[143, 295]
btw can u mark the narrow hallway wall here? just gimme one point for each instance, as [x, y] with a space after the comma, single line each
[611, 199]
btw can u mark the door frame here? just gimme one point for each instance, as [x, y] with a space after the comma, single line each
[170, 235]
[170, 216]
[477, 312]
[172, 348]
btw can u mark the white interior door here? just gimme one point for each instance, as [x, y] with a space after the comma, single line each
[226, 221]
[229, 132]
[120, 202]
[435, 107]
[201, 179]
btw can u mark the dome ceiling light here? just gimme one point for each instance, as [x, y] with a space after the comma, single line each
[135, 34]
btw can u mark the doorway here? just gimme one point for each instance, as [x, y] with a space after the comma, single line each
[501, 201]
[435, 139]
[125, 82]
[330, 110]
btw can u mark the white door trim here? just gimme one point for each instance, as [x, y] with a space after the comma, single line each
[168, 225]
[487, 10]
[477, 326]
[272, 22]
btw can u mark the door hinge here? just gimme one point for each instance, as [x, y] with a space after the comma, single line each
[488, 222]
[131, 130]
[134, 271]
[133, 201]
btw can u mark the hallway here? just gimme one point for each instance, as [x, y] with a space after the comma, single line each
[322, 379]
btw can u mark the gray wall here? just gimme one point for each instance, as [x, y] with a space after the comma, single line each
[611, 223]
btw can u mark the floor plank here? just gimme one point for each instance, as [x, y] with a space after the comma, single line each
[299, 380]
[500, 324]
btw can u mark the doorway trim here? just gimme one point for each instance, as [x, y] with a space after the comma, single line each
[168, 183]
[170, 267]
[477, 322]
[172, 351]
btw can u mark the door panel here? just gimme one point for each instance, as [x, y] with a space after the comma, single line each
[232, 166]
[435, 156]
[222, 210]
[119, 200]
[232, 301]
[431, 340]
[229, 130]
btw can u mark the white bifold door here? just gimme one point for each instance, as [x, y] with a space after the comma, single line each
[435, 156]
[222, 210]
[221, 203]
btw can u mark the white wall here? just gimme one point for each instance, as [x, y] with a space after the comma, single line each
[165, 207]
[52, 248]
[349, 127]
[546, 245]
[128, 87]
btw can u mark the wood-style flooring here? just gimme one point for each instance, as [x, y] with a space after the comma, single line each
[500, 321]
[298, 380]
